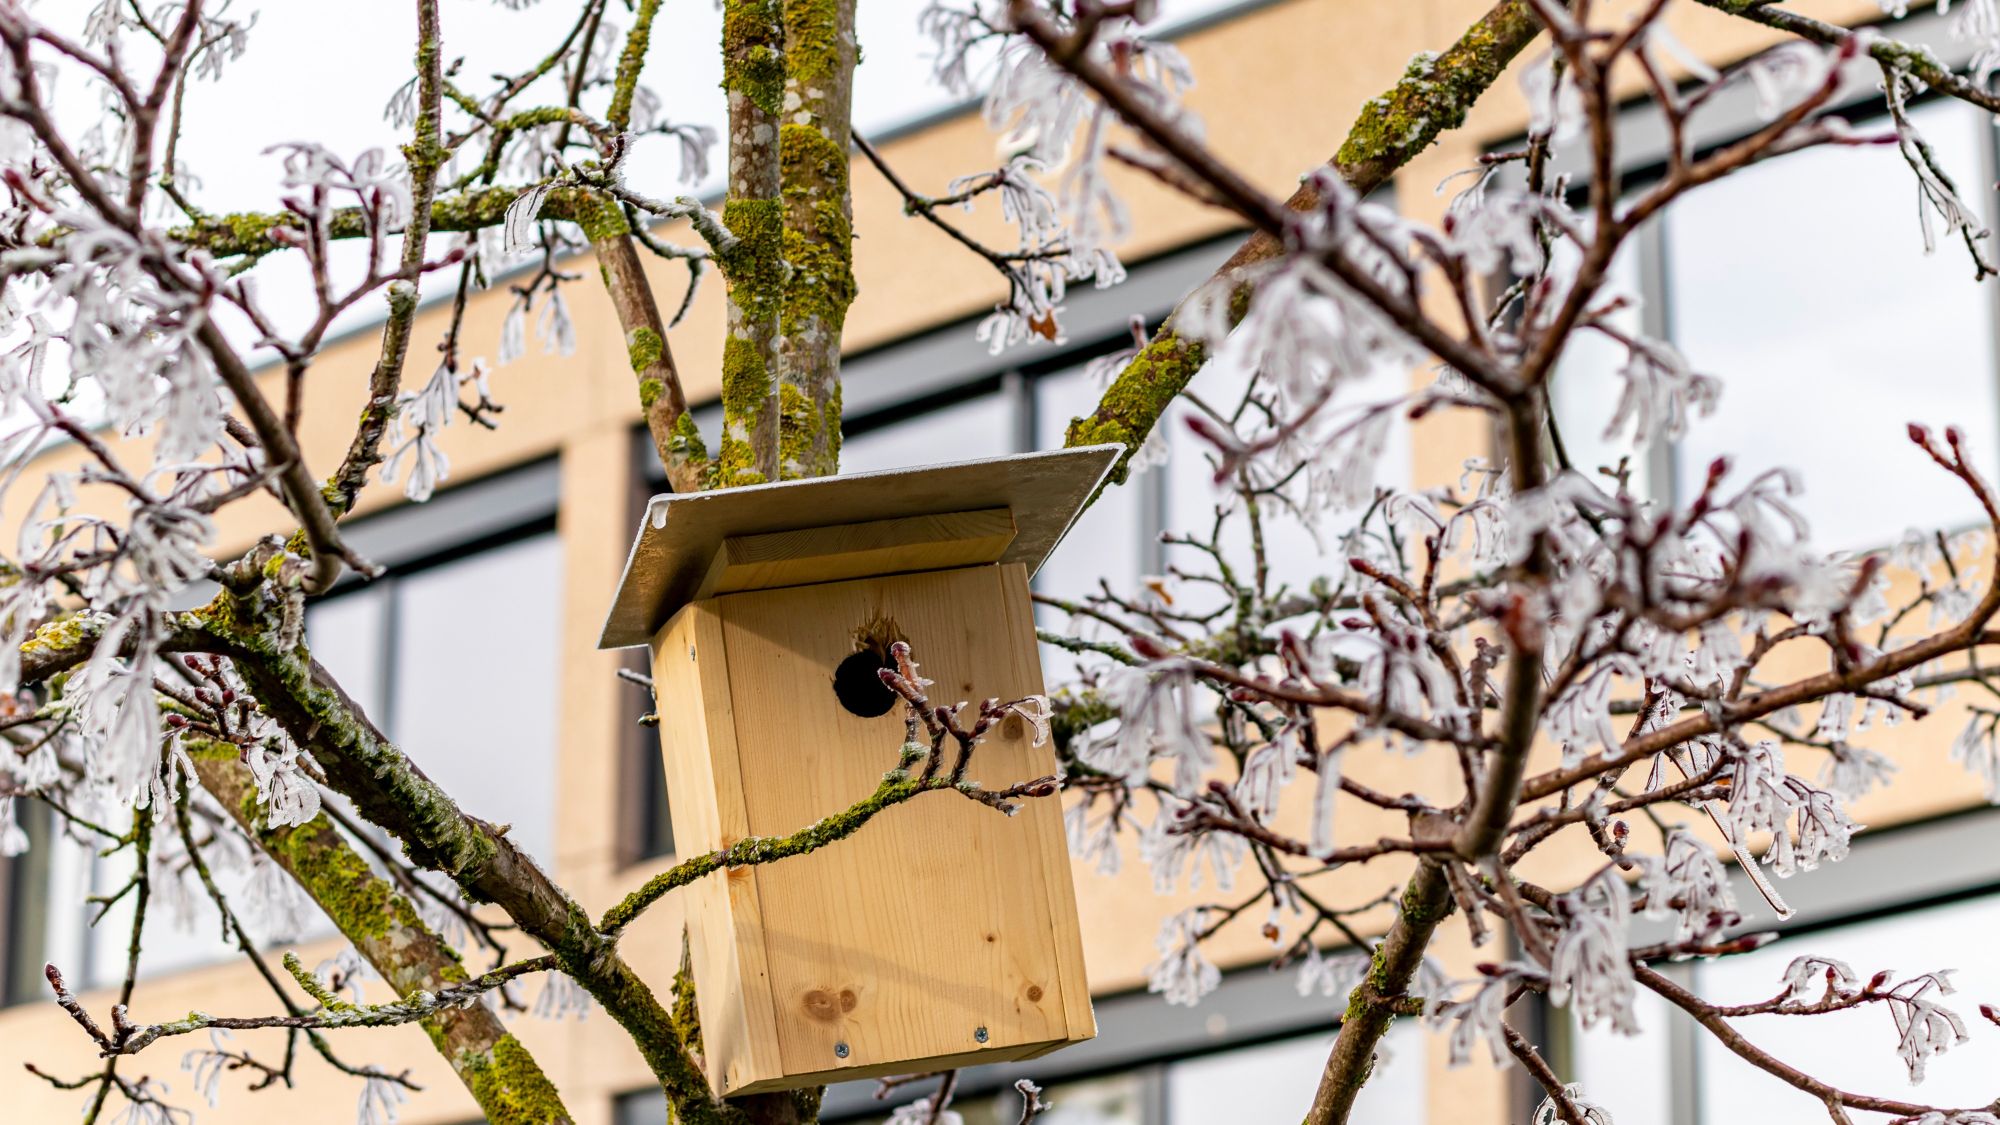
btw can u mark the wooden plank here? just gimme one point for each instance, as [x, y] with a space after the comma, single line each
[929, 1065]
[1049, 839]
[681, 533]
[858, 550]
[937, 919]
[705, 797]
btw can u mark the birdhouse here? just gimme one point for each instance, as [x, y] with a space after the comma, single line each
[942, 933]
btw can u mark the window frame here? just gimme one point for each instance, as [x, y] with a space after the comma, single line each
[460, 522]
[1643, 147]
[1889, 871]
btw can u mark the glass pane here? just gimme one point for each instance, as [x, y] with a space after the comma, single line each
[346, 634]
[1276, 1082]
[183, 926]
[1587, 384]
[1295, 553]
[1117, 1099]
[476, 667]
[1855, 1049]
[1831, 329]
[1630, 1075]
[1104, 544]
[966, 431]
[40, 923]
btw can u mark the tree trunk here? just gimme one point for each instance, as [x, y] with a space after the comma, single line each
[820, 53]
[753, 72]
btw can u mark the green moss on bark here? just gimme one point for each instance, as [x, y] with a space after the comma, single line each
[1132, 405]
[755, 269]
[1433, 96]
[360, 903]
[746, 394]
[755, 265]
[644, 347]
[812, 42]
[752, 63]
[601, 217]
[687, 442]
[819, 239]
[510, 1088]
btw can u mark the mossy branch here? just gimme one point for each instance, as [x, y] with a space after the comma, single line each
[248, 233]
[386, 930]
[1432, 96]
[814, 153]
[424, 155]
[412, 1008]
[898, 785]
[753, 270]
[391, 792]
[626, 82]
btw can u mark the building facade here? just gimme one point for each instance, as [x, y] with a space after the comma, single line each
[476, 651]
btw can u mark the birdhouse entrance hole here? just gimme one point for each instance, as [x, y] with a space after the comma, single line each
[857, 683]
[857, 680]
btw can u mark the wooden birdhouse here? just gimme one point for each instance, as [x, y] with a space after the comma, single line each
[942, 933]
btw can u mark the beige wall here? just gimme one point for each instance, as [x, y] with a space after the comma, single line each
[1277, 87]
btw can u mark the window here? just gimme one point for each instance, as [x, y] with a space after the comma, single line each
[1833, 330]
[1585, 391]
[453, 653]
[1295, 553]
[1633, 1076]
[1858, 1045]
[1276, 1082]
[1828, 326]
[964, 431]
[471, 682]
[1117, 1099]
[1914, 899]
[1643, 1079]
[1267, 1082]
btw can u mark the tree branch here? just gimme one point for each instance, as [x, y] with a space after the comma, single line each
[1391, 131]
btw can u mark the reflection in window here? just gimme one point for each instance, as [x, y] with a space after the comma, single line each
[1295, 552]
[1108, 541]
[1276, 1082]
[1830, 331]
[965, 431]
[1858, 1045]
[474, 683]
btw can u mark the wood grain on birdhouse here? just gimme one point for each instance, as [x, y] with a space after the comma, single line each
[941, 933]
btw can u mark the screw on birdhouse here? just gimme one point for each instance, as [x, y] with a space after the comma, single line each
[979, 1035]
[840, 1050]
[690, 652]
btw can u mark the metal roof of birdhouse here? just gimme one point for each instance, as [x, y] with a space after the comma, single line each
[674, 554]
